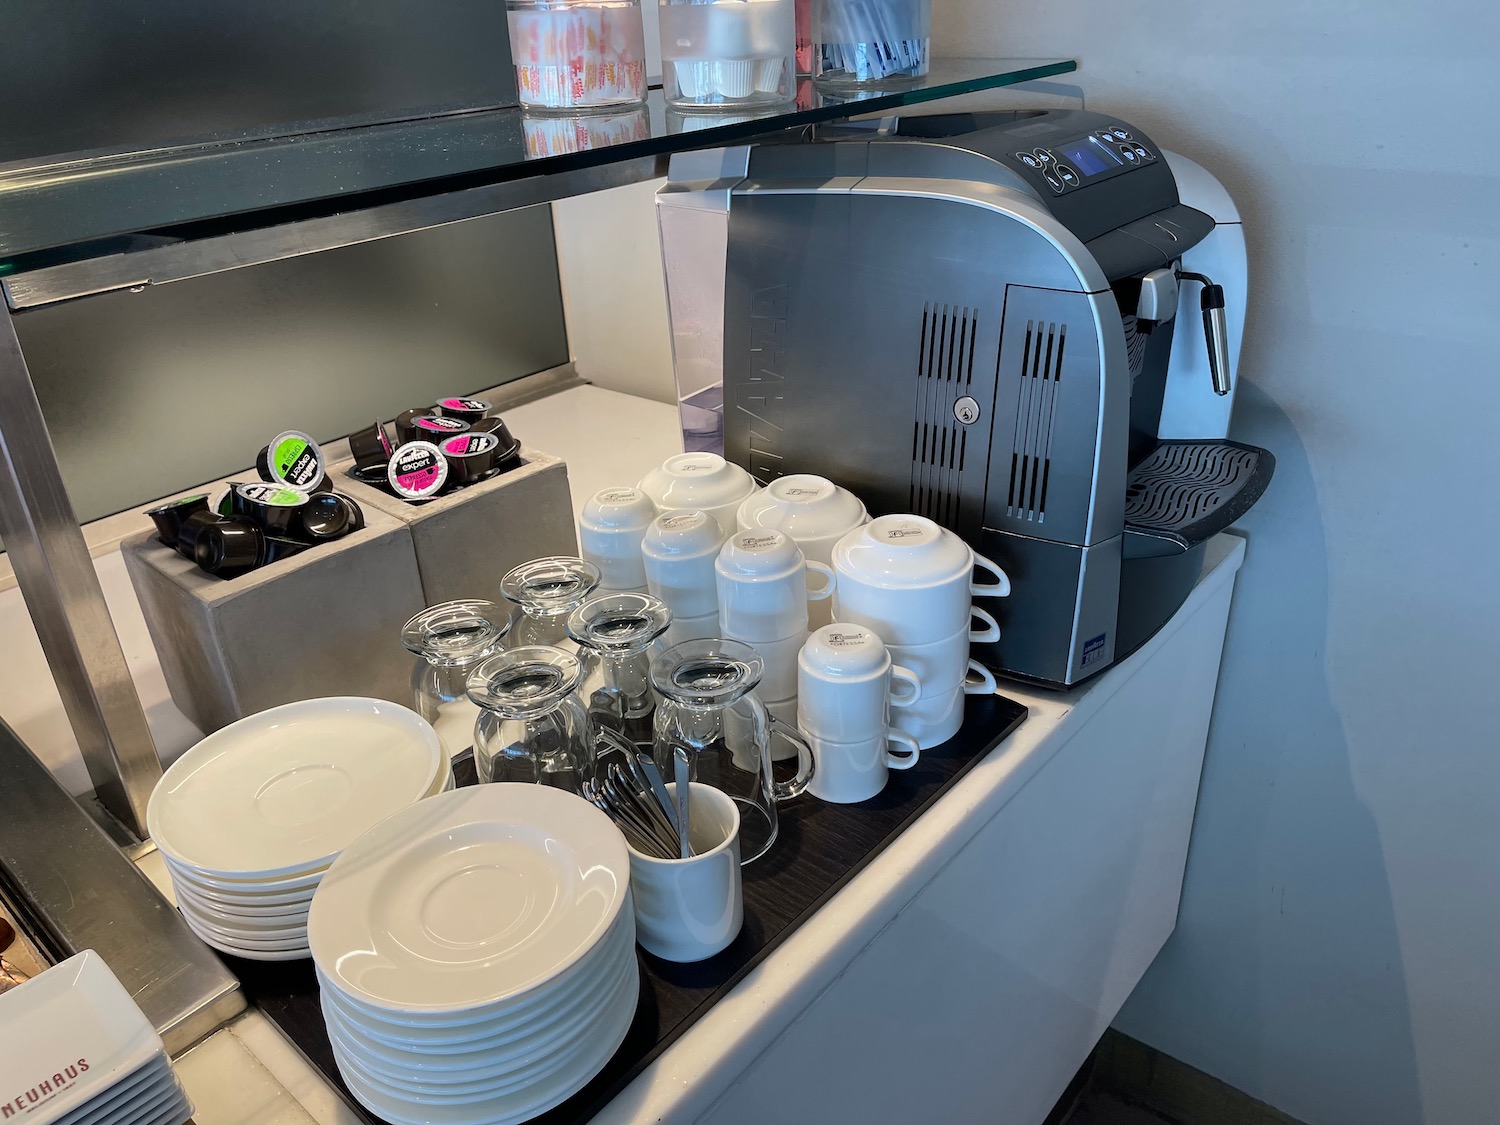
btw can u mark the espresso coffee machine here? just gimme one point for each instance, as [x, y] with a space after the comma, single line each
[1022, 325]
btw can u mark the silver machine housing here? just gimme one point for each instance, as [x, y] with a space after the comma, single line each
[972, 317]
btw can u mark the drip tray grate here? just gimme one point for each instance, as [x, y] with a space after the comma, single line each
[1191, 490]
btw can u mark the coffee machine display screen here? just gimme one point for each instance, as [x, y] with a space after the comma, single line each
[1089, 156]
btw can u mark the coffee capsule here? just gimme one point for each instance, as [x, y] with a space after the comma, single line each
[375, 476]
[470, 456]
[371, 447]
[271, 507]
[279, 547]
[191, 528]
[468, 410]
[168, 517]
[292, 459]
[418, 471]
[434, 427]
[405, 432]
[329, 515]
[229, 547]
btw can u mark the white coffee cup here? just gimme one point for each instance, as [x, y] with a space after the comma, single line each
[763, 585]
[678, 551]
[847, 685]
[610, 530]
[703, 482]
[815, 513]
[689, 909]
[779, 682]
[944, 667]
[909, 579]
[699, 628]
[848, 772]
[933, 719]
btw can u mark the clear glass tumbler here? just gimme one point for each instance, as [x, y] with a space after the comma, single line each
[707, 709]
[578, 54]
[728, 54]
[615, 635]
[870, 44]
[547, 590]
[531, 726]
[449, 639]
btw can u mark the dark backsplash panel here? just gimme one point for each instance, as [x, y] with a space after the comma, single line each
[819, 849]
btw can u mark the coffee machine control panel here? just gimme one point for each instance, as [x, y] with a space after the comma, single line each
[1066, 165]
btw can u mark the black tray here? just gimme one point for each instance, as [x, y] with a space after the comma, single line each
[819, 849]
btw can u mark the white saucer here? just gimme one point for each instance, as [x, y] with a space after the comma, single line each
[284, 791]
[469, 898]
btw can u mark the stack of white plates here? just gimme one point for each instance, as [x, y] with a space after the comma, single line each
[476, 955]
[249, 819]
[75, 1050]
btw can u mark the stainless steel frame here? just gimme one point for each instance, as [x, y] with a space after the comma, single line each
[62, 592]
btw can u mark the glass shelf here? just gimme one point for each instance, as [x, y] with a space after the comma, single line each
[96, 206]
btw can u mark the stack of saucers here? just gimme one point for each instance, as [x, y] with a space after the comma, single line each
[476, 955]
[249, 820]
[76, 1050]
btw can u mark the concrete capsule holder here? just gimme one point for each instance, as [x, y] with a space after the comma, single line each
[327, 621]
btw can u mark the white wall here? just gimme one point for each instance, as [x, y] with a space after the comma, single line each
[1338, 952]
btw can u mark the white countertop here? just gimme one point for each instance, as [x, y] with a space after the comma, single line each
[606, 439]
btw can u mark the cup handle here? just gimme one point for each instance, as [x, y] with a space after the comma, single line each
[986, 684]
[910, 750]
[999, 588]
[818, 593]
[786, 790]
[990, 632]
[906, 686]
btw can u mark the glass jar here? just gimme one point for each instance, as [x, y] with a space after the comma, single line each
[577, 54]
[615, 634]
[449, 639]
[707, 708]
[547, 590]
[531, 727]
[727, 54]
[870, 44]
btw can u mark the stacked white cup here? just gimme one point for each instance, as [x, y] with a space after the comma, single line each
[846, 689]
[678, 553]
[702, 482]
[815, 513]
[610, 530]
[911, 582]
[763, 590]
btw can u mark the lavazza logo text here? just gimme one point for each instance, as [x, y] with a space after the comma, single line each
[44, 1091]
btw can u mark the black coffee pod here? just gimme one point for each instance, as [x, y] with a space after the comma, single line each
[433, 427]
[510, 446]
[279, 547]
[168, 517]
[418, 471]
[404, 429]
[292, 459]
[271, 507]
[374, 476]
[191, 528]
[229, 547]
[468, 410]
[328, 515]
[356, 513]
[470, 456]
[371, 446]
[222, 501]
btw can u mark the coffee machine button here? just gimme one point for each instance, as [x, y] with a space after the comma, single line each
[1044, 156]
[1069, 175]
[1122, 135]
[1054, 181]
[1143, 152]
[1029, 159]
[1130, 156]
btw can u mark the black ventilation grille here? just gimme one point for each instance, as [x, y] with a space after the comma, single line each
[1135, 345]
[1193, 489]
[1031, 454]
[939, 444]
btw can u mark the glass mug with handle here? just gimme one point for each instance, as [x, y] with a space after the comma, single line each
[708, 709]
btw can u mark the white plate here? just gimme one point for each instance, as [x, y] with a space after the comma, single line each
[291, 937]
[469, 898]
[508, 1109]
[155, 1078]
[144, 1105]
[302, 884]
[480, 1022]
[271, 917]
[493, 1046]
[290, 900]
[286, 790]
[493, 1070]
[236, 950]
[74, 1010]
